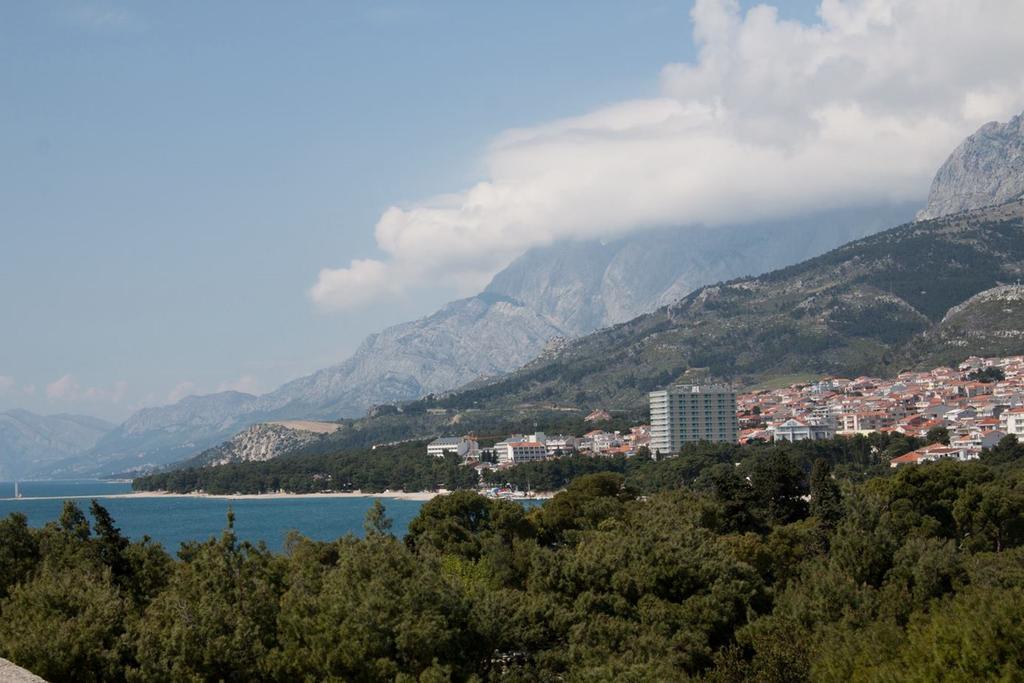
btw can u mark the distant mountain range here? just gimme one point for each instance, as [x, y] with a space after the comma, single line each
[916, 296]
[568, 290]
[547, 295]
[31, 443]
[921, 294]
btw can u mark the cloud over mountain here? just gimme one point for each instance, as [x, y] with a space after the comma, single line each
[775, 118]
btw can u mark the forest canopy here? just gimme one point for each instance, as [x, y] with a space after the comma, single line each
[799, 563]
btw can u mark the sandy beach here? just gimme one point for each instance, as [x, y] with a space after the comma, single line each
[397, 495]
[394, 495]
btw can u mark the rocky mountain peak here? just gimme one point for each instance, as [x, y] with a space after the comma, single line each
[984, 170]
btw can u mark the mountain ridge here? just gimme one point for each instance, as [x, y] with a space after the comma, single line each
[29, 441]
[548, 294]
[859, 308]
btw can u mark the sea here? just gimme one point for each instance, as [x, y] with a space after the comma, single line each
[173, 520]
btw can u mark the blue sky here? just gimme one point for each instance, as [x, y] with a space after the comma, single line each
[175, 175]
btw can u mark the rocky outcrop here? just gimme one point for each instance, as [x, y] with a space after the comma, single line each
[266, 441]
[990, 323]
[12, 673]
[986, 169]
[31, 443]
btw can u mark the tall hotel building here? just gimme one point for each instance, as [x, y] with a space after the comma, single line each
[690, 412]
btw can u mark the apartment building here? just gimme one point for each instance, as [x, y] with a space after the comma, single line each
[686, 413]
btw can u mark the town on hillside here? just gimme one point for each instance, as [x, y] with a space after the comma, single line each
[957, 411]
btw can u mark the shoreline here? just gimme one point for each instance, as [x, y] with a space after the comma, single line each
[422, 496]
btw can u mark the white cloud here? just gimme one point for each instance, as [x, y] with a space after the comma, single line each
[66, 388]
[6, 384]
[775, 118]
[247, 384]
[180, 391]
[63, 389]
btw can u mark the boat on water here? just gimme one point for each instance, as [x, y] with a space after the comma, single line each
[17, 490]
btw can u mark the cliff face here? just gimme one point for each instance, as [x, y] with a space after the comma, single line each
[265, 441]
[990, 323]
[986, 169]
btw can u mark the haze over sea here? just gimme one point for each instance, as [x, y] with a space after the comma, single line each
[175, 519]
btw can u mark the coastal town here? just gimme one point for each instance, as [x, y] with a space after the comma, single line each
[957, 411]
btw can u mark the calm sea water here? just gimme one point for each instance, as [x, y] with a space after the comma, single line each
[172, 520]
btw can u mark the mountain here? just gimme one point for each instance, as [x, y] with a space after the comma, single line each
[988, 324]
[876, 305]
[30, 442]
[265, 441]
[560, 291]
[484, 335]
[986, 169]
[156, 435]
[919, 295]
[585, 286]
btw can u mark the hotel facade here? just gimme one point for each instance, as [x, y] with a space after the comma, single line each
[686, 413]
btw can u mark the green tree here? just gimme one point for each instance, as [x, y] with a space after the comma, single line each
[937, 435]
[19, 551]
[462, 522]
[586, 502]
[826, 498]
[377, 522]
[380, 613]
[778, 487]
[990, 516]
[66, 625]
[217, 617]
[73, 521]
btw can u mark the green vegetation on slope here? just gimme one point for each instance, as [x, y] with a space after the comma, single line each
[414, 425]
[405, 467]
[873, 306]
[724, 574]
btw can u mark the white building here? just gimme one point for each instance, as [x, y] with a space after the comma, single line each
[462, 446]
[1012, 421]
[934, 452]
[800, 430]
[515, 452]
[600, 441]
[687, 413]
[560, 442]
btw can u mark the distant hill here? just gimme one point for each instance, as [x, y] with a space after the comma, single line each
[988, 324]
[31, 443]
[547, 295]
[900, 298]
[919, 295]
[168, 433]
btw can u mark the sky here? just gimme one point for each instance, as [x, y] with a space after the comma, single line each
[203, 196]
